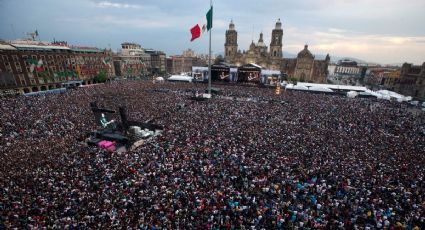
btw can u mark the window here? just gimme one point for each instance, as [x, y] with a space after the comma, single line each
[21, 77]
[9, 68]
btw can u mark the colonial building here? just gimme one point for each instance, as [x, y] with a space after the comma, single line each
[346, 72]
[158, 61]
[132, 61]
[303, 68]
[31, 66]
[412, 80]
[177, 64]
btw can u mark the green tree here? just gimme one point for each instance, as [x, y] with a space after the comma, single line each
[101, 77]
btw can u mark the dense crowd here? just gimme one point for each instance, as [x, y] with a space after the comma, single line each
[295, 160]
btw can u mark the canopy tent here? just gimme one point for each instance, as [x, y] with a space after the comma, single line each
[184, 78]
[289, 86]
[300, 87]
[158, 79]
[335, 87]
[320, 89]
[352, 94]
[393, 95]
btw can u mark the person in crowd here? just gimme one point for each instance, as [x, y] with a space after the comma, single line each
[295, 160]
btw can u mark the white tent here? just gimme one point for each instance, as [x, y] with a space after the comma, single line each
[289, 86]
[300, 87]
[184, 78]
[320, 89]
[334, 87]
[393, 95]
[352, 94]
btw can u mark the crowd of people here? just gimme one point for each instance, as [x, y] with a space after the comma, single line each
[295, 160]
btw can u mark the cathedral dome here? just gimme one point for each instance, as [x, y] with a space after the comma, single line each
[305, 53]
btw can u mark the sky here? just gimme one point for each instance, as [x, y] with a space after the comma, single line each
[380, 31]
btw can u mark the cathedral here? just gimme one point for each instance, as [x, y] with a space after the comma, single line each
[305, 67]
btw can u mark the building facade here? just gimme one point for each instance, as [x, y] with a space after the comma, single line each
[412, 80]
[303, 68]
[31, 66]
[183, 63]
[132, 61]
[158, 62]
[346, 72]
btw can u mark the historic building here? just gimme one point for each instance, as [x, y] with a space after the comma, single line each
[303, 68]
[411, 81]
[346, 72]
[132, 61]
[177, 64]
[158, 61]
[30, 65]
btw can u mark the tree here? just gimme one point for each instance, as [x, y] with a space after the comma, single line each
[218, 59]
[100, 77]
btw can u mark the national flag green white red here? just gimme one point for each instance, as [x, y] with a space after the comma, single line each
[196, 30]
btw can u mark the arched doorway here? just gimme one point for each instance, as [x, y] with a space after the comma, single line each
[26, 90]
[43, 88]
[35, 89]
[58, 86]
[51, 87]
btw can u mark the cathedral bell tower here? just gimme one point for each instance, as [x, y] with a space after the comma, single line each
[231, 45]
[276, 40]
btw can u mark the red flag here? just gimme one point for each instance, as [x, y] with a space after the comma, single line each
[196, 32]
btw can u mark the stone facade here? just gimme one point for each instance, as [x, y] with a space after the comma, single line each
[412, 81]
[257, 53]
[178, 64]
[132, 61]
[31, 66]
[303, 68]
[157, 61]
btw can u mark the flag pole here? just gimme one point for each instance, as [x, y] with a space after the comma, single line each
[209, 58]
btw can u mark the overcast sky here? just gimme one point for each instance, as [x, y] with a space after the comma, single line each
[383, 31]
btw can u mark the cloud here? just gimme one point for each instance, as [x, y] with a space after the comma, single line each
[110, 22]
[374, 47]
[107, 4]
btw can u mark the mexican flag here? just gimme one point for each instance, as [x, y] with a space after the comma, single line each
[38, 66]
[196, 30]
